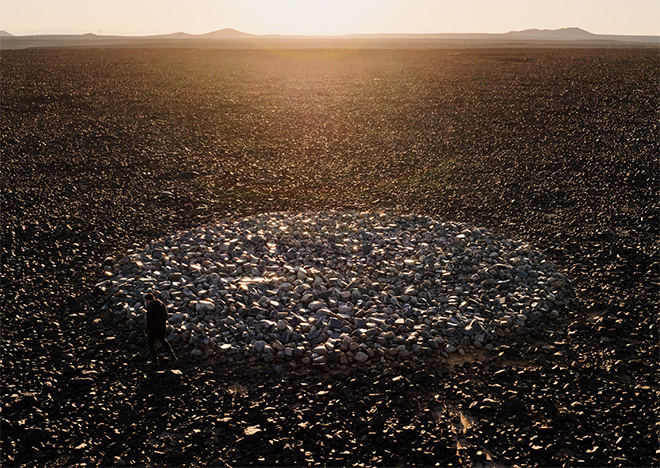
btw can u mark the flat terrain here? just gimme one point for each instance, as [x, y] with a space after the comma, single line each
[103, 150]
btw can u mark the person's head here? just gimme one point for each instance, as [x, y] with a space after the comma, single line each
[149, 297]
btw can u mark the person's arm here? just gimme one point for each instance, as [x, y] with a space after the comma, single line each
[150, 318]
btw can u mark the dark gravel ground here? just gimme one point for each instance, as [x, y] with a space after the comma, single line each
[103, 150]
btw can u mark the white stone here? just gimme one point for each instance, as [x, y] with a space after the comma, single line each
[368, 289]
[345, 309]
[320, 349]
[316, 305]
[205, 305]
[259, 345]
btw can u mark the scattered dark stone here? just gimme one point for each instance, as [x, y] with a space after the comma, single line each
[187, 175]
[421, 376]
[514, 405]
[82, 381]
[35, 436]
[92, 167]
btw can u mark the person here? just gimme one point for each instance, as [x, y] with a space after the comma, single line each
[157, 327]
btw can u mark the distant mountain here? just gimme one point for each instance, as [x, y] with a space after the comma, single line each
[527, 37]
[176, 35]
[577, 36]
[564, 34]
[222, 34]
[5, 34]
[226, 33]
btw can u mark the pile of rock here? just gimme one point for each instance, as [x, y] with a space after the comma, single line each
[335, 288]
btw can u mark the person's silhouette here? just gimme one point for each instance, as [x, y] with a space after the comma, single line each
[156, 326]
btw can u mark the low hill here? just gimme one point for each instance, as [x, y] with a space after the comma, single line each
[564, 34]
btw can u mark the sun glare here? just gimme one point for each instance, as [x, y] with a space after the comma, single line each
[311, 17]
[323, 17]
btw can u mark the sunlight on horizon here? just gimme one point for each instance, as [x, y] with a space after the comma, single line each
[326, 17]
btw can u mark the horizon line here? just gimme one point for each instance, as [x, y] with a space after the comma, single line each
[398, 33]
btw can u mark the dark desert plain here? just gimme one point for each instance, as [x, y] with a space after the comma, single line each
[104, 150]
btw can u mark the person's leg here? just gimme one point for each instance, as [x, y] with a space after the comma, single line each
[152, 347]
[168, 347]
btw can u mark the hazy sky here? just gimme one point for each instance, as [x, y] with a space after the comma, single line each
[139, 17]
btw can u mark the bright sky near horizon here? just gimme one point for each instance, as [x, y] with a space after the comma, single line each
[326, 17]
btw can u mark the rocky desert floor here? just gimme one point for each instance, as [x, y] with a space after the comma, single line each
[105, 150]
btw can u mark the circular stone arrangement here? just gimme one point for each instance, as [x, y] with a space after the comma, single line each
[335, 288]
